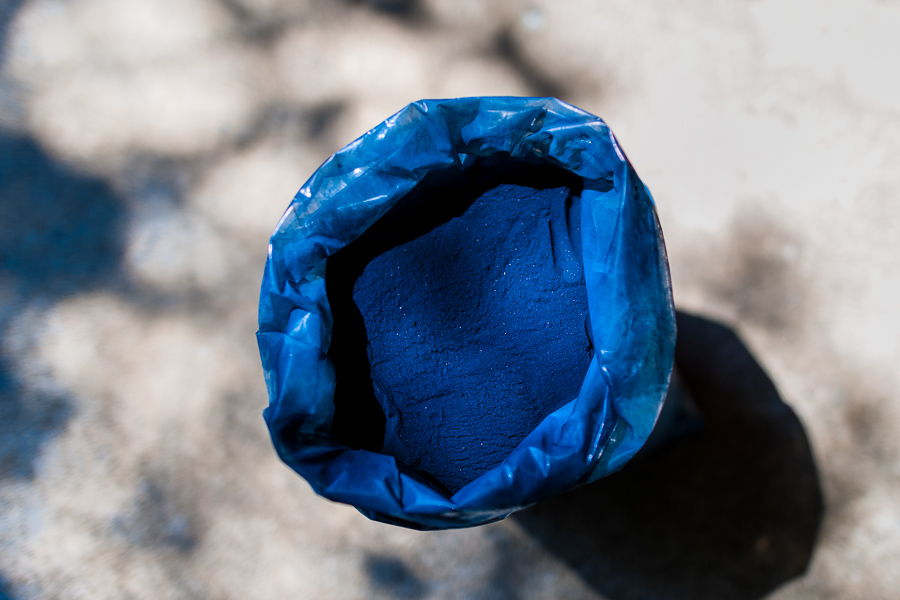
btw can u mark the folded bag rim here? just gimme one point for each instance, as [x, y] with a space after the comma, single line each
[628, 285]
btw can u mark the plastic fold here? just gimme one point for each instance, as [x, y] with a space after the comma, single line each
[632, 317]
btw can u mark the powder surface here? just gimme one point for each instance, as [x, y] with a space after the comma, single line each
[475, 331]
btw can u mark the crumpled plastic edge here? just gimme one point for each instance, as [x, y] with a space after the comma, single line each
[629, 298]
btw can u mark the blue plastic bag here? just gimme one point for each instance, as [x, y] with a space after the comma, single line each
[629, 294]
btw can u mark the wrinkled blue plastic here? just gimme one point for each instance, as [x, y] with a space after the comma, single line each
[629, 298]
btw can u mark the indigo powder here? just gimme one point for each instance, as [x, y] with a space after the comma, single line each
[467, 335]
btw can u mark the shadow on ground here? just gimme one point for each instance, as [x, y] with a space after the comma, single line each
[731, 512]
[60, 234]
[60, 231]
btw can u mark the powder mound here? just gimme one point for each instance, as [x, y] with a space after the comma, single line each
[475, 332]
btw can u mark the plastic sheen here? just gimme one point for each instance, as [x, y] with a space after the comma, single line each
[626, 277]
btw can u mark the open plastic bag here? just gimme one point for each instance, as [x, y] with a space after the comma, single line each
[632, 318]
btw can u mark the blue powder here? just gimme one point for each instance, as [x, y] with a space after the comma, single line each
[467, 334]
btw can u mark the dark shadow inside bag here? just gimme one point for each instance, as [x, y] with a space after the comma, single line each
[459, 318]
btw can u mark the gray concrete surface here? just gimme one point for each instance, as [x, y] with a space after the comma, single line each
[148, 147]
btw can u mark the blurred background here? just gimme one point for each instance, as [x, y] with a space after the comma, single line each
[148, 147]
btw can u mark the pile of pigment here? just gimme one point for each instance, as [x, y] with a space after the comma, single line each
[454, 339]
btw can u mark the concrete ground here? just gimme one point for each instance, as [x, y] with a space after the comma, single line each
[147, 149]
